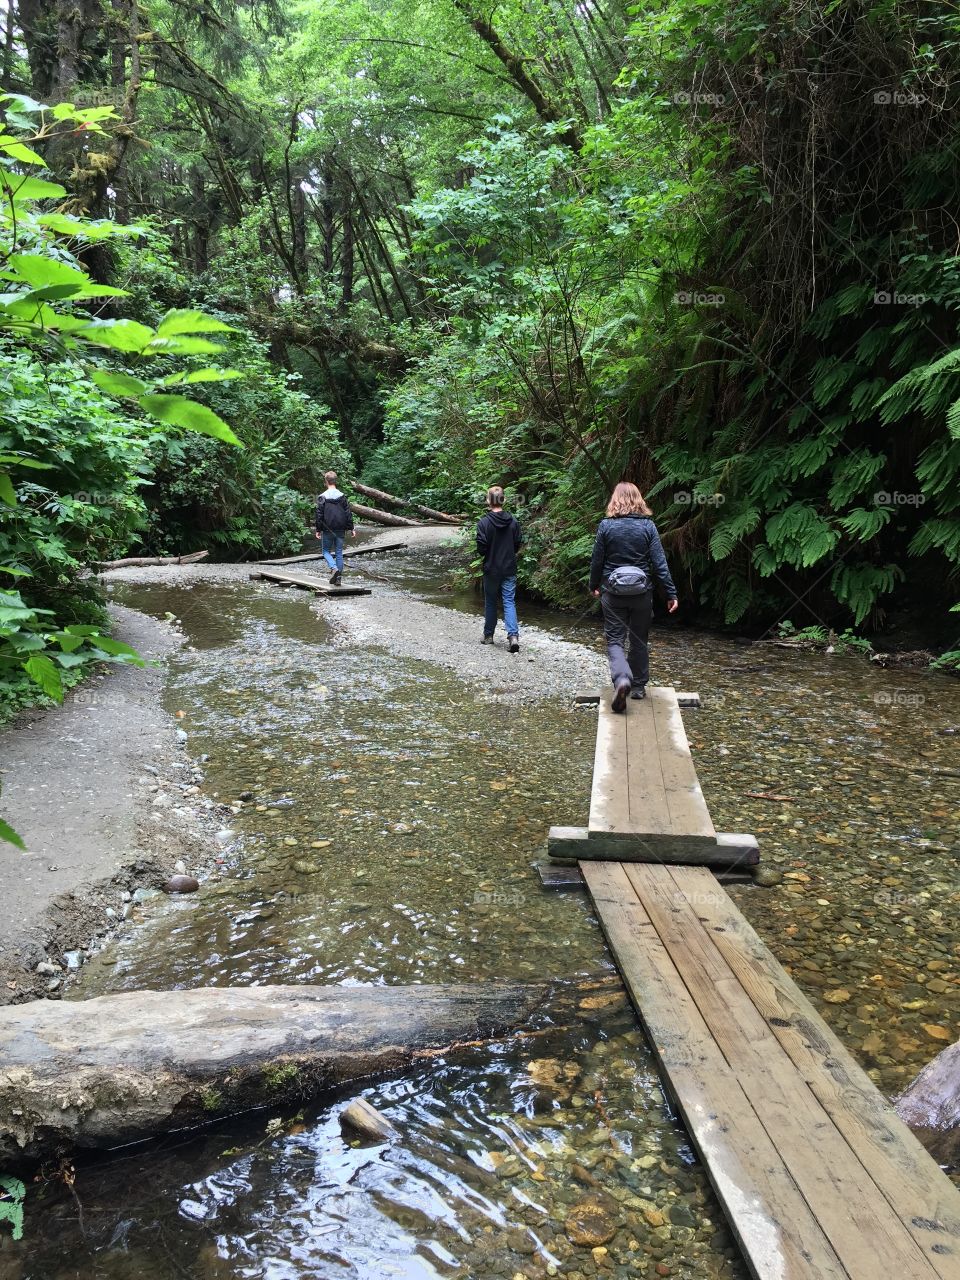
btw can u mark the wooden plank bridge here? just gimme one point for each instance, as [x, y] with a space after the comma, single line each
[817, 1175]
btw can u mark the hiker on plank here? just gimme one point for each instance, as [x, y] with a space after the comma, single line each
[627, 557]
[334, 519]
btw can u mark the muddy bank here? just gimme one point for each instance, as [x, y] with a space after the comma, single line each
[107, 801]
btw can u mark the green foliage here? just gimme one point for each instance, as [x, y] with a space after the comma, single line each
[252, 502]
[12, 1195]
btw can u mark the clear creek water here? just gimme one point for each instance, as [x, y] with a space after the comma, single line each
[390, 836]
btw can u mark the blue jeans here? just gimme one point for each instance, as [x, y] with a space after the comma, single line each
[495, 590]
[332, 547]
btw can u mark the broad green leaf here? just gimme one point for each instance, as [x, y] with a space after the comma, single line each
[8, 493]
[17, 187]
[201, 375]
[42, 671]
[98, 229]
[68, 660]
[183, 347]
[118, 384]
[16, 460]
[81, 629]
[179, 321]
[7, 833]
[178, 411]
[24, 102]
[20, 152]
[117, 648]
[40, 271]
[120, 335]
[44, 317]
[15, 572]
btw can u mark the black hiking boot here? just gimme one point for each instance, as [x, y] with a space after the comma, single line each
[619, 703]
[337, 579]
[487, 640]
[514, 643]
[638, 692]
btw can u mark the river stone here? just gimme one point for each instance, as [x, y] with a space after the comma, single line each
[365, 1121]
[591, 1222]
[181, 884]
[767, 877]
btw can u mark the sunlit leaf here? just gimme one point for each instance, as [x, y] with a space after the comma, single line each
[118, 384]
[182, 321]
[178, 411]
[42, 671]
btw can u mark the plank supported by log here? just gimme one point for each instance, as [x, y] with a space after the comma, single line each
[818, 1177]
[590, 698]
[383, 517]
[728, 849]
[289, 578]
[192, 558]
[392, 500]
[97, 1073]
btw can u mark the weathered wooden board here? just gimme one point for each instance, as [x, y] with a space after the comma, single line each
[644, 783]
[590, 697]
[289, 578]
[348, 553]
[817, 1175]
[728, 850]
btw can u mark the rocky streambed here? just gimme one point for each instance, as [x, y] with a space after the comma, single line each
[389, 785]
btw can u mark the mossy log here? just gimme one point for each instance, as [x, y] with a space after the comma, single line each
[98, 1073]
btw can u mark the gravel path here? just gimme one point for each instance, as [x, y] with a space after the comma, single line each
[393, 618]
[79, 782]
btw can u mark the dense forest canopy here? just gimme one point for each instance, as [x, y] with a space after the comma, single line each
[709, 247]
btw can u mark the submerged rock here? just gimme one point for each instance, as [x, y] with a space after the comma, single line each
[365, 1121]
[592, 1222]
[931, 1106]
[767, 877]
[181, 884]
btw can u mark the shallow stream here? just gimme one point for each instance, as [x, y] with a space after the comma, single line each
[387, 826]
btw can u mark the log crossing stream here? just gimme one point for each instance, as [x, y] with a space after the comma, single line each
[817, 1175]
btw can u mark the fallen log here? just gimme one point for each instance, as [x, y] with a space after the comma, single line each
[98, 1073]
[192, 558]
[931, 1107]
[382, 517]
[393, 501]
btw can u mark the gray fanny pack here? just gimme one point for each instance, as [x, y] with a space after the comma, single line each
[628, 580]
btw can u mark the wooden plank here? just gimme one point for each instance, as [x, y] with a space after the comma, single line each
[623, 779]
[590, 698]
[553, 876]
[915, 1187]
[311, 555]
[777, 1231]
[348, 554]
[685, 802]
[569, 844]
[289, 578]
[631, 846]
[852, 1210]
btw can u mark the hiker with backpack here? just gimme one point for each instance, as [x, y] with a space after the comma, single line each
[498, 541]
[334, 519]
[627, 557]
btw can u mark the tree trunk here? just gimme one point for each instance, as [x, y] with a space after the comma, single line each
[391, 500]
[381, 517]
[516, 65]
[118, 1068]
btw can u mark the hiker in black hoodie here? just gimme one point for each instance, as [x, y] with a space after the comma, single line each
[498, 540]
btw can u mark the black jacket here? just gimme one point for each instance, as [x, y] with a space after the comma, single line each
[629, 540]
[334, 514]
[498, 541]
